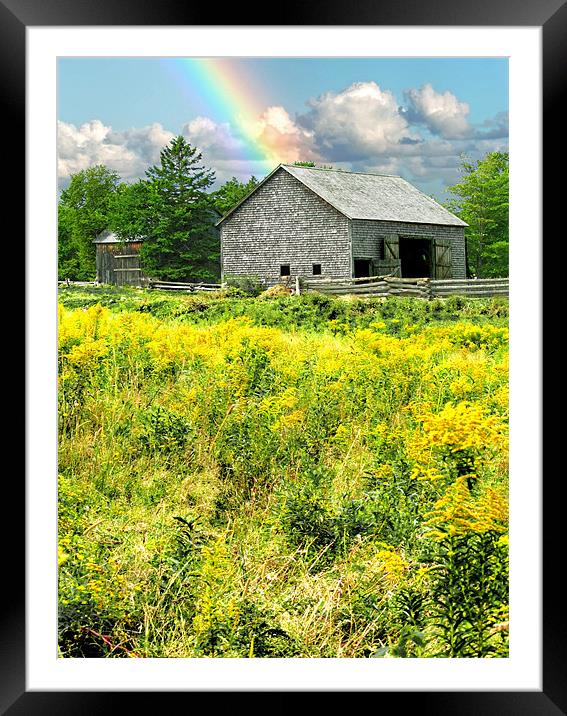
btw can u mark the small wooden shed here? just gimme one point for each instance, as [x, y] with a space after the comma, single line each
[118, 260]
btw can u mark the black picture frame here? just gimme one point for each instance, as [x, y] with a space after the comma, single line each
[15, 17]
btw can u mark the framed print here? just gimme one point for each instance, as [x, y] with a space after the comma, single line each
[52, 56]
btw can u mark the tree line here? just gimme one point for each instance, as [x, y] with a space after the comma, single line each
[174, 210]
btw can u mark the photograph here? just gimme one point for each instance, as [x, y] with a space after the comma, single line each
[283, 357]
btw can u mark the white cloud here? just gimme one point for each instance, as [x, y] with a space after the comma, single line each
[360, 121]
[129, 152]
[494, 128]
[362, 128]
[226, 151]
[441, 112]
[214, 141]
[286, 140]
[145, 143]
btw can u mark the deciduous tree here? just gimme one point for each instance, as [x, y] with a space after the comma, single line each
[84, 209]
[481, 199]
[231, 193]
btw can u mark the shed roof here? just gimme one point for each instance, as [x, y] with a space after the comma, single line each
[378, 197]
[109, 237]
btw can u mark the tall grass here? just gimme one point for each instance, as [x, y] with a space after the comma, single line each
[303, 477]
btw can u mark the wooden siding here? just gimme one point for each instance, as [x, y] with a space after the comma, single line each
[119, 264]
[283, 222]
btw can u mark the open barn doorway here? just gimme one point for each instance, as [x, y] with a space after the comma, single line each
[415, 257]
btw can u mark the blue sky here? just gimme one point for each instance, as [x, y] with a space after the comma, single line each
[408, 116]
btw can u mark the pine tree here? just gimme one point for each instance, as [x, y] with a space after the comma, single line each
[178, 218]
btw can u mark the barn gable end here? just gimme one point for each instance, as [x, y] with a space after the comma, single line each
[282, 223]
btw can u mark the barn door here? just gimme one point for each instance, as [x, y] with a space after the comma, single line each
[391, 247]
[443, 264]
[391, 263]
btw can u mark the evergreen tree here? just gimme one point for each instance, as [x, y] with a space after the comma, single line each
[176, 216]
[129, 210]
[481, 199]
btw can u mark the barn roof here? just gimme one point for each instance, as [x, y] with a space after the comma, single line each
[381, 197]
[378, 197]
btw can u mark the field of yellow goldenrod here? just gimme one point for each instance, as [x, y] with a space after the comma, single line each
[301, 477]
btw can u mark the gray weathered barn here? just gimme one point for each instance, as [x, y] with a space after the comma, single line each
[308, 222]
[118, 261]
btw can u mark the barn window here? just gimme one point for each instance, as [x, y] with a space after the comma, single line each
[284, 270]
[362, 268]
[316, 269]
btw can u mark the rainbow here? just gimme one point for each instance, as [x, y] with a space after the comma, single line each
[219, 87]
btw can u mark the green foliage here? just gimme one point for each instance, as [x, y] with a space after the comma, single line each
[84, 211]
[94, 616]
[312, 311]
[231, 193]
[174, 213]
[481, 199]
[309, 164]
[469, 595]
[325, 529]
[129, 210]
[247, 285]
[163, 429]
[68, 261]
[410, 643]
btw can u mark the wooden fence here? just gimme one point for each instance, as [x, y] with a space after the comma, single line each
[374, 286]
[151, 283]
[384, 286]
[181, 286]
[67, 282]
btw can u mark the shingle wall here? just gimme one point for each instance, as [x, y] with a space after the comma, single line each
[283, 222]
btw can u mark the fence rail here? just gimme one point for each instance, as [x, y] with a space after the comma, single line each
[384, 286]
[183, 286]
[67, 282]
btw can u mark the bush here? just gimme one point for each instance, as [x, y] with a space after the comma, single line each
[248, 285]
[163, 429]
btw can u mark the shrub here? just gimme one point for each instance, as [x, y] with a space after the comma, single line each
[163, 429]
[248, 285]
